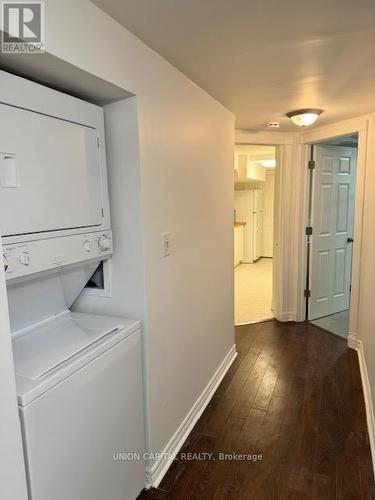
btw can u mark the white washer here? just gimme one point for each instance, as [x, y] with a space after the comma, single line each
[79, 385]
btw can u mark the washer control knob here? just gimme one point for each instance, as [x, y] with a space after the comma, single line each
[104, 243]
[87, 246]
[25, 259]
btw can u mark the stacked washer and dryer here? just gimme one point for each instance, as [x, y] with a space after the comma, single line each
[78, 376]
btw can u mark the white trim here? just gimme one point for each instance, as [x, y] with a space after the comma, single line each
[256, 322]
[367, 396]
[301, 267]
[358, 230]
[355, 125]
[286, 234]
[156, 472]
[285, 316]
[338, 129]
[353, 342]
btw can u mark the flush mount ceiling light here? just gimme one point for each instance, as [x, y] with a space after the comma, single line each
[304, 117]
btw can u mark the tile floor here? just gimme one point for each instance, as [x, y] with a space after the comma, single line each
[253, 291]
[336, 323]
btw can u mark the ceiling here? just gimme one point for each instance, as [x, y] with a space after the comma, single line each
[262, 58]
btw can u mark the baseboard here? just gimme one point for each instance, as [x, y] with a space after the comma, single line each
[367, 396]
[353, 342]
[256, 322]
[285, 316]
[156, 472]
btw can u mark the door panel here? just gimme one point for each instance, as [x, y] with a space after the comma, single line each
[325, 209]
[340, 271]
[344, 165]
[343, 208]
[327, 164]
[323, 282]
[333, 196]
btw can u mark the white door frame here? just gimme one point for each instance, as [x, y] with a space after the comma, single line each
[284, 293]
[359, 126]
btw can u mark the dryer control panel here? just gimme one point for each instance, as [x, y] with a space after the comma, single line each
[23, 259]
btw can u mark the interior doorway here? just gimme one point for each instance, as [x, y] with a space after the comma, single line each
[330, 233]
[254, 185]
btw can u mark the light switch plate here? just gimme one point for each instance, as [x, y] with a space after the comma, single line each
[166, 243]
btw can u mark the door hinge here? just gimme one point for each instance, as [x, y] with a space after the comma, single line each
[307, 292]
[309, 230]
[311, 164]
[103, 213]
[98, 142]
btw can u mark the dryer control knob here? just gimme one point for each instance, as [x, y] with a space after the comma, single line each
[87, 246]
[25, 259]
[104, 243]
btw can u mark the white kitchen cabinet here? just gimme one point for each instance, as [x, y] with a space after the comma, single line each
[255, 172]
[246, 170]
[240, 167]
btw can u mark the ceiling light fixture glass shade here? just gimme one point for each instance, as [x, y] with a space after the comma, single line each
[304, 117]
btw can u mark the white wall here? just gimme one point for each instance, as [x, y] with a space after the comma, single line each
[127, 267]
[186, 174]
[12, 473]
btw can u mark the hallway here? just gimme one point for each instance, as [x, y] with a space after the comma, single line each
[294, 396]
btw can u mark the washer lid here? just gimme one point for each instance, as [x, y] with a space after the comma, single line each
[45, 349]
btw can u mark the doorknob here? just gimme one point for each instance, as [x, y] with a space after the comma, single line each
[350, 240]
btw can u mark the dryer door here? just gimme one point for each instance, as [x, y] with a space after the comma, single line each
[49, 173]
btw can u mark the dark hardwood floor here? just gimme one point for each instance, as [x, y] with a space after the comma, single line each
[294, 396]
